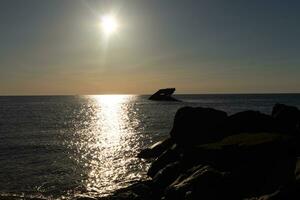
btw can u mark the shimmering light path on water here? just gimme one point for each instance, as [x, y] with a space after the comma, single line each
[108, 146]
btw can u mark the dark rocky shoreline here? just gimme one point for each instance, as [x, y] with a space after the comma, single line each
[210, 155]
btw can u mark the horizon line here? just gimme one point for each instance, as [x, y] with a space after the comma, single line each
[241, 93]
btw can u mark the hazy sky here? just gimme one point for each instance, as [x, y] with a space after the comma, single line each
[201, 46]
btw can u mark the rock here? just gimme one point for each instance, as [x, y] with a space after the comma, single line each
[201, 182]
[137, 191]
[157, 149]
[85, 198]
[169, 156]
[287, 118]
[163, 95]
[261, 166]
[272, 196]
[259, 163]
[129, 195]
[194, 126]
[166, 176]
[212, 156]
[291, 193]
[297, 170]
[250, 121]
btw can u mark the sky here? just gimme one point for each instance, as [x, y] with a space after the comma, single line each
[201, 46]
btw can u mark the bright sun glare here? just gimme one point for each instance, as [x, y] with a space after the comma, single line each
[109, 24]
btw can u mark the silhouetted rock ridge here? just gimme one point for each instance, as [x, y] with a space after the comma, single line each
[210, 155]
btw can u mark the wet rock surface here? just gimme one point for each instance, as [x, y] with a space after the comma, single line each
[157, 149]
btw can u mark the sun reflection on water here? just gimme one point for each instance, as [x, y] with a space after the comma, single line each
[112, 118]
[107, 145]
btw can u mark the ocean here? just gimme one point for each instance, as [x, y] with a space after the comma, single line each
[60, 147]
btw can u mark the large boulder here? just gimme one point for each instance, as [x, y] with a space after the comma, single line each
[287, 118]
[259, 163]
[157, 149]
[297, 170]
[250, 121]
[166, 176]
[290, 191]
[193, 126]
[169, 156]
[200, 182]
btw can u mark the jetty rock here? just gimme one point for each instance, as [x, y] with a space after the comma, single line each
[163, 95]
[156, 149]
[211, 155]
[194, 126]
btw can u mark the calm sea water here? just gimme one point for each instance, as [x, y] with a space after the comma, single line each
[66, 146]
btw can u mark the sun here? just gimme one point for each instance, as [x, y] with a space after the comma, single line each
[109, 24]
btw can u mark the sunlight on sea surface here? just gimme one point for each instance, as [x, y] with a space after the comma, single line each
[107, 147]
[61, 147]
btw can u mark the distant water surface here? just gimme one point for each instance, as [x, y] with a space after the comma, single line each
[66, 146]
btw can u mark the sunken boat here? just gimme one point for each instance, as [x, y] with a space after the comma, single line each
[164, 95]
